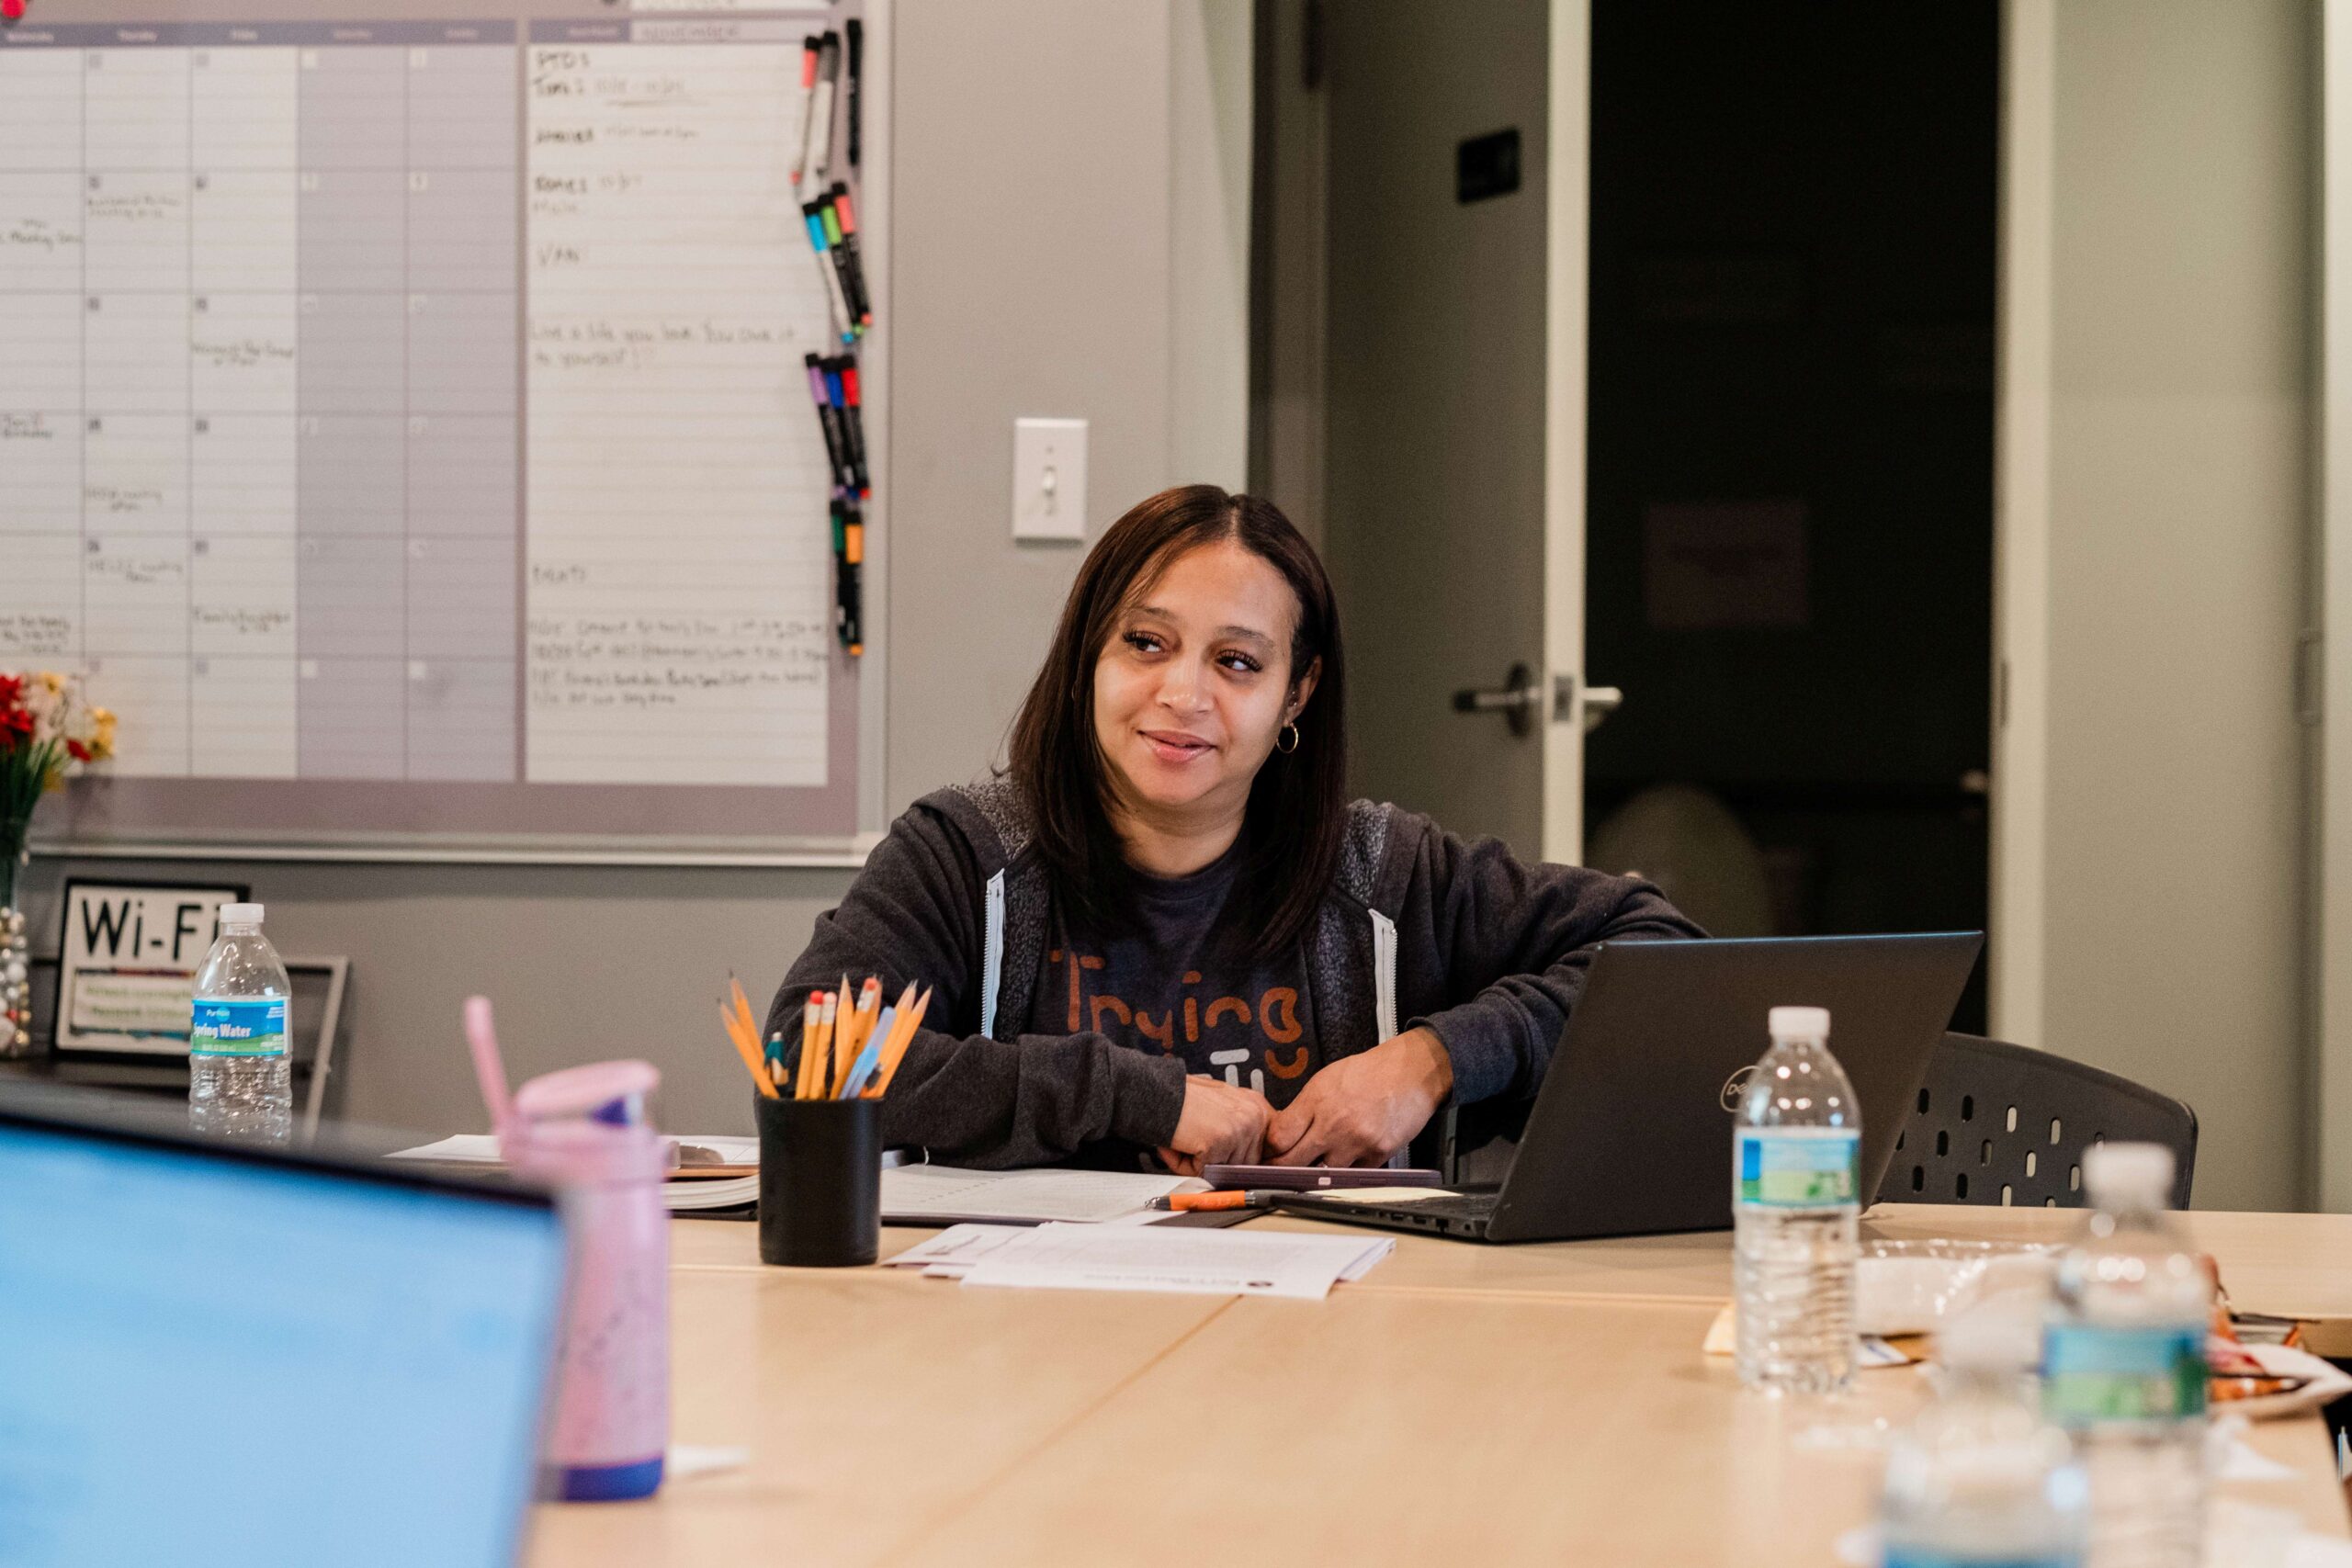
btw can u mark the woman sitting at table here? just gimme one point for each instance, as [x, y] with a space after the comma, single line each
[1165, 928]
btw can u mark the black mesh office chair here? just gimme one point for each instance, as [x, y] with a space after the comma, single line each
[1999, 1124]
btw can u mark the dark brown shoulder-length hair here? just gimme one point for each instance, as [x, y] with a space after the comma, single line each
[1298, 811]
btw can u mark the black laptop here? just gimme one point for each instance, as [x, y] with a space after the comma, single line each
[1631, 1134]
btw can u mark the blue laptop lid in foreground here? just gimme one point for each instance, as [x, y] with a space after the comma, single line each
[221, 1355]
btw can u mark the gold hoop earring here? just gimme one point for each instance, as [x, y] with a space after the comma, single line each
[1291, 730]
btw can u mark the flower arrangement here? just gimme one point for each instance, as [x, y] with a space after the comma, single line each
[47, 729]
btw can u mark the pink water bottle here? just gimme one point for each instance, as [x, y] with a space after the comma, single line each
[583, 1132]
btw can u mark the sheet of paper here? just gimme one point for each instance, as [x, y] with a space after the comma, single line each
[945, 1194]
[1195, 1262]
[952, 1253]
[466, 1148]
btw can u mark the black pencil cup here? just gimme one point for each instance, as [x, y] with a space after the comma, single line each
[820, 1181]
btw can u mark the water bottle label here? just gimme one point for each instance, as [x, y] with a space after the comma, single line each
[1798, 1168]
[248, 1026]
[1930, 1557]
[2092, 1373]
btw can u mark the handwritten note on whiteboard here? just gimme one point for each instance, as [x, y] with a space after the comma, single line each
[677, 612]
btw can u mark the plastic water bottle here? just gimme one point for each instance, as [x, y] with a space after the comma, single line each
[1796, 1210]
[2123, 1362]
[238, 1082]
[1980, 1480]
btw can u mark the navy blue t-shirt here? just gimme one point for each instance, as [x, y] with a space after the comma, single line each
[1175, 984]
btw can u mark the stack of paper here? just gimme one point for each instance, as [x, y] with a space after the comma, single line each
[714, 1171]
[1149, 1258]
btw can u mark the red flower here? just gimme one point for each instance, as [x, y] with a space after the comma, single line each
[76, 750]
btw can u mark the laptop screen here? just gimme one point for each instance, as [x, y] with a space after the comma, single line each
[212, 1360]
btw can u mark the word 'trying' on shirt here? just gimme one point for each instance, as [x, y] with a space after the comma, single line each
[1259, 1039]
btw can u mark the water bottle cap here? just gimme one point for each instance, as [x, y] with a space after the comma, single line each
[1798, 1023]
[241, 914]
[583, 1092]
[2128, 1170]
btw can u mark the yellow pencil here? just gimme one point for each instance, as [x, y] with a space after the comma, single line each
[845, 1031]
[748, 1049]
[869, 1007]
[814, 1051]
[808, 1043]
[902, 1033]
[743, 1007]
[828, 1024]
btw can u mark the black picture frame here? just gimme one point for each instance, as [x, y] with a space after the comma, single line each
[174, 954]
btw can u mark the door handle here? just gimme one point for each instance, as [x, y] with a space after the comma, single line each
[1517, 699]
[1600, 701]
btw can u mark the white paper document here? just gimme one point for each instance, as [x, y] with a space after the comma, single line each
[938, 1194]
[1194, 1262]
[465, 1148]
[951, 1254]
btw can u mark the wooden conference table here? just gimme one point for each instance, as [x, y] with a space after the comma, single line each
[1460, 1404]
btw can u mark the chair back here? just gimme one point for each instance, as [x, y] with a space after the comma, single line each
[2001, 1123]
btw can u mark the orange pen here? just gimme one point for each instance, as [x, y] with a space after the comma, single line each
[1187, 1202]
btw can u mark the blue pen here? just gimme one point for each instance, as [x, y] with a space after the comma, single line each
[871, 1058]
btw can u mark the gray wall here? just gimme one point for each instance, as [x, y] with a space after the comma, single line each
[1034, 207]
[2181, 325]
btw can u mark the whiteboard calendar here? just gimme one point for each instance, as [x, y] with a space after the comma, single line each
[403, 424]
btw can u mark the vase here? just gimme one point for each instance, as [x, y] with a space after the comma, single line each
[16, 949]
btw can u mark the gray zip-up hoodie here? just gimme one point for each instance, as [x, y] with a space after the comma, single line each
[1418, 925]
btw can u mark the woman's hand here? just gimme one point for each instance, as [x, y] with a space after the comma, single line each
[1220, 1126]
[1363, 1109]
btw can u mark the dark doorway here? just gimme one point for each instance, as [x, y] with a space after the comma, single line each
[1790, 460]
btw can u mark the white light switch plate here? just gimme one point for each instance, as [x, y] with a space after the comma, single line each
[1049, 479]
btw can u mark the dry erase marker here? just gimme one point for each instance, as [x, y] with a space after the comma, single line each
[834, 253]
[853, 417]
[821, 125]
[810, 52]
[852, 438]
[853, 254]
[829, 419]
[833, 295]
[853, 589]
[855, 30]
[844, 579]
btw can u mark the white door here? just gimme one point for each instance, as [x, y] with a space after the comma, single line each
[1454, 470]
